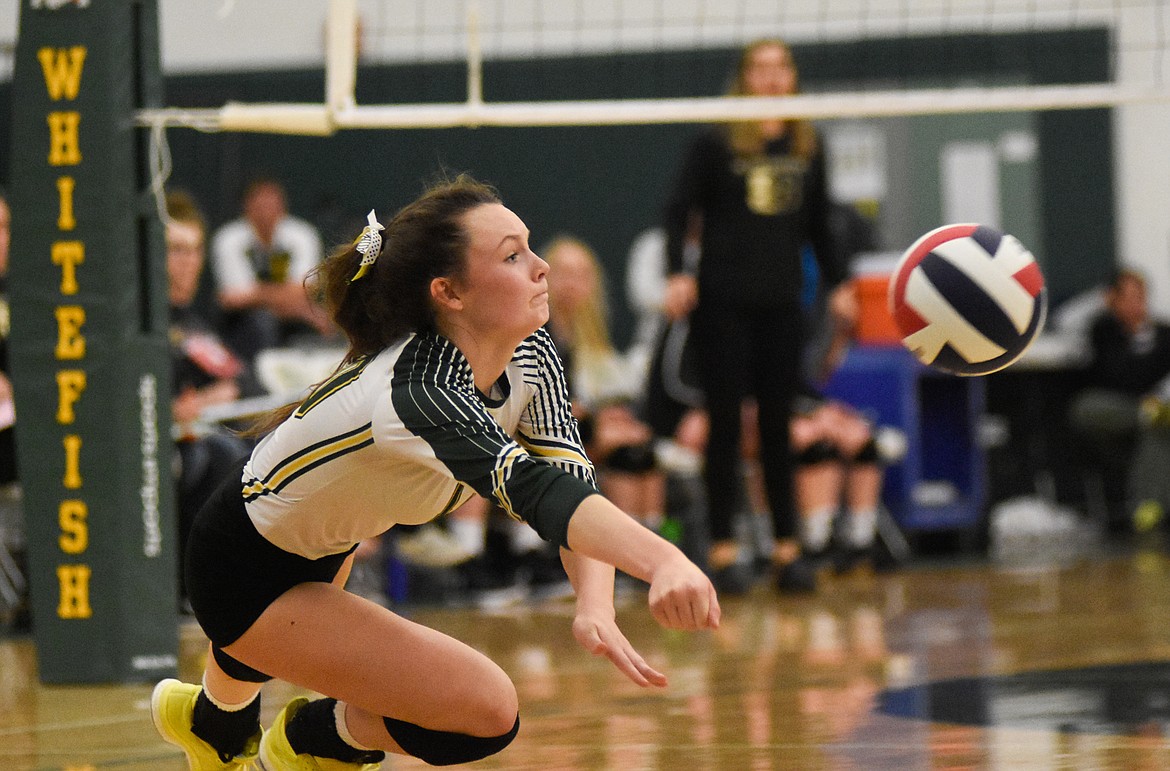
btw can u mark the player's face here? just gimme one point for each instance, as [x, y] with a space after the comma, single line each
[184, 261]
[505, 284]
[1129, 303]
[265, 208]
[573, 281]
[769, 71]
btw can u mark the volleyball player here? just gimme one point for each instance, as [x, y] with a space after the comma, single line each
[449, 388]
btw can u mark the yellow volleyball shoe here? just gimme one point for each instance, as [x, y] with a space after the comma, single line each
[172, 705]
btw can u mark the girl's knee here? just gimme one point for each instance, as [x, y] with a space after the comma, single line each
[445, 748]
[500, 712]
[489, 704]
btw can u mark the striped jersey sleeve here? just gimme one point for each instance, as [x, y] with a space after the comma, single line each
[547, 428]
[433, 393]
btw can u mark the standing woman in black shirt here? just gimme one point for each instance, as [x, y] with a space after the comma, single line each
[753, 194]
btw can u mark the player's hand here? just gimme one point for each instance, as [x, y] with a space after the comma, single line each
[186, 406]
[598, 633]
[682, 295]
[844, 305]
[682, 597]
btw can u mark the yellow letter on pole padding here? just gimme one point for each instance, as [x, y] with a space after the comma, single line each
[68, 254]
[65, 219]
[73, 517]
[62, 68]
[64, 144]
[74, 587]
[72, 479]
[70, 385]
[70, 341]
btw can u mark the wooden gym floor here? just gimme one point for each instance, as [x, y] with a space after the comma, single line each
[943, 666]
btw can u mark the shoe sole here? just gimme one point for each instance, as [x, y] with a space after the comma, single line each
[155, 716]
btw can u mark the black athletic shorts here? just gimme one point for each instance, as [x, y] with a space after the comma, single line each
[233, 573]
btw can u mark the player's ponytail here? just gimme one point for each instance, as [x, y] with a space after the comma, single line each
[390, 299]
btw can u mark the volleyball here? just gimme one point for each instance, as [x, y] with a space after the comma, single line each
[967, 299]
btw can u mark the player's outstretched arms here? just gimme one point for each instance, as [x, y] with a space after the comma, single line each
[681, 595]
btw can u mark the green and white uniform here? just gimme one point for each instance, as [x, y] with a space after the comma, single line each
[405, 436]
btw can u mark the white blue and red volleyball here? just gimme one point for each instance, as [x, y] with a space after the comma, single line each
[968, 299]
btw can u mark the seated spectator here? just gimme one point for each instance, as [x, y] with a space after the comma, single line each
[1126, 386]
[13, 558]
[7, 408]
[601, 385]
[838, 479]
[261, 262]
[660, 353]
[205, 371]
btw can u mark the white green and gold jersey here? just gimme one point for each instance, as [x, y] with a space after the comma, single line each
[404, 436]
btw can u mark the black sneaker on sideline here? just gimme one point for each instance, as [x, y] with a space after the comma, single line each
[483, 574]
[732, 580]
[798, 576]
[850, 558]
[489, 585]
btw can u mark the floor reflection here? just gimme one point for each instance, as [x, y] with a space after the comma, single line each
[1124, 699]
[942, 667]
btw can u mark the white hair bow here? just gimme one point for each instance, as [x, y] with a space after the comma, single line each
[368, 244]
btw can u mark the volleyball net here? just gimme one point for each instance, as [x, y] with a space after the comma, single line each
[1001, 55]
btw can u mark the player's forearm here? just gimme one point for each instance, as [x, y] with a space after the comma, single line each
[592, 581]
[600, 530]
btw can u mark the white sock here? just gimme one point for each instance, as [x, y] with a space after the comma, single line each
[762, 531]
[343, 728]
[223, 705]
[468, 533]
[861, 528]
[816, 527]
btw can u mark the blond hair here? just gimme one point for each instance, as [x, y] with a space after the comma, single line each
[746, 137]
[588, 324]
